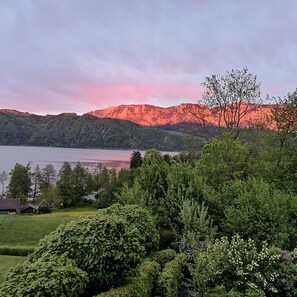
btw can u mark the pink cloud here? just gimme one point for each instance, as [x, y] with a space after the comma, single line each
[123, 93]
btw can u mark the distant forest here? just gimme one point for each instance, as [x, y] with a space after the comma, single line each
[71, 130]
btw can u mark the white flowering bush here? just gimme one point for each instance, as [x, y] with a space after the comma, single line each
[238, 266]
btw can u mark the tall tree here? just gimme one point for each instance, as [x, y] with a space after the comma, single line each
[20, 181]
[284, 117]
[65, 184]
[47, 178]
[231, 97]
[36, 177]
[135, 159]
[79, 176]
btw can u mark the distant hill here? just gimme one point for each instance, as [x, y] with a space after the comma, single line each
[87, 131]
[150, 115]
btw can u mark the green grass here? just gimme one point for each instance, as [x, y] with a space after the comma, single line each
[7, 262]
[27, 230]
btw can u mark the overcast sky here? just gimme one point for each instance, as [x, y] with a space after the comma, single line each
[80, 55]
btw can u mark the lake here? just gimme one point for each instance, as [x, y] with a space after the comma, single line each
[10, 155]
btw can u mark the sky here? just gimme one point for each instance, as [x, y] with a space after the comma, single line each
[80, 55]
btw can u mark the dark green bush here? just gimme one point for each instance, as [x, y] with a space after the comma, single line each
[140, 285]
[171, 277]
[106, 247]
[138, 218]
[164, 256]
[50, 275]
[16, 250]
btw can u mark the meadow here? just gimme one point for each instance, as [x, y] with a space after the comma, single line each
[6, 262]
[27, 230]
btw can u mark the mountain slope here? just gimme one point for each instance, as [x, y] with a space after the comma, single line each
[70, 130]
[150, 115]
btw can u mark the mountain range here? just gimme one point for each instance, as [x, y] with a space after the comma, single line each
[86, 131]
[150, 115]
[124, 126]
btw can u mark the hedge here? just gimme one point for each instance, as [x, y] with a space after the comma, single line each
[139, 286]
[170, 278]
[16, 250]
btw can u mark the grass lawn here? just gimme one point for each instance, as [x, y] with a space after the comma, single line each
[27, 229]
[6, 262]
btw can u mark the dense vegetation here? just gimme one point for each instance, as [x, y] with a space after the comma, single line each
[216, 222]
[70, 130]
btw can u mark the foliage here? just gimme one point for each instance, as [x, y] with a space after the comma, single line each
[284, 117]
[3, 179]
[50, 199]
[70, 130]
[139, 286]
[47, 178]
[27, 230]
[65, 184]
[223, 160]
[152, 178]
[20, 181]
[6, 263]
[238, 265]
[49, 275]
[255, 209]
[16, 250]
[232, 96]
[170, 278]
[135, 160]
[132, 195]
[181, 186]
[138, 218]
[197, 228]
[163, 256]
[106, 247]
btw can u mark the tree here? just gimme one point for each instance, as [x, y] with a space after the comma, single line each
[36, 177]
[79, 175]
[65, 184]
[47, 178]
[20, 181]
[3, 179]
[284, 117]
[223, 160]
[135, 160]
[231, 97]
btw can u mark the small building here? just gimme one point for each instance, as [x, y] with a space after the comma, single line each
[8, 206]
[31, 208]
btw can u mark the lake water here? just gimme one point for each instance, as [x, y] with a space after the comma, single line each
[10, 155]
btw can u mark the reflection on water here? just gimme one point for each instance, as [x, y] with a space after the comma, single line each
[9, 155]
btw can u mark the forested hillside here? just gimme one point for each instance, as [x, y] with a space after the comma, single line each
[70, 130]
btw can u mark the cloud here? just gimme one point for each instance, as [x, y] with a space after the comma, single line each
[76, 55]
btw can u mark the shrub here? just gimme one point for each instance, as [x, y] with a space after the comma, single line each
[140, 285]
[106, 247]
[138, 218]
[51, 275]
[240, 267]
[171, 277]
[16, 250]
[164, 256]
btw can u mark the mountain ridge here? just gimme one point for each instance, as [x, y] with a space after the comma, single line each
[86, 131]
[151, 115]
